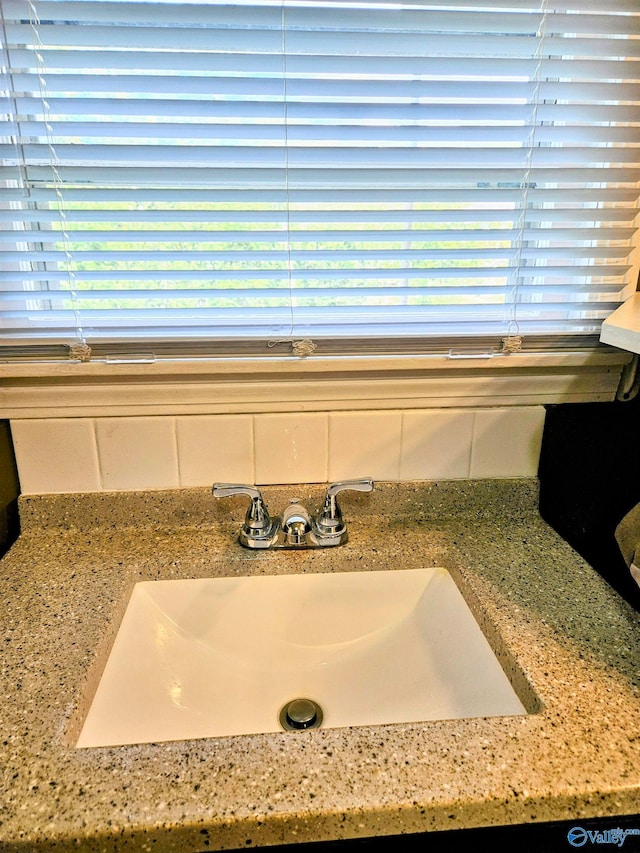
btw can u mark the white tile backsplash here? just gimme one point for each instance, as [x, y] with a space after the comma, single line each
[506, 442]
[215, 448]
[364, 444]
[436, 445]
[56, 455]
[138, 453]
[291, 448]
[164, 452]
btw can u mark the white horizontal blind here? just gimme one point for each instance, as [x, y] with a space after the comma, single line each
[231, 170]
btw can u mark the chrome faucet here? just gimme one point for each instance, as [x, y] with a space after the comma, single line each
[296, 528]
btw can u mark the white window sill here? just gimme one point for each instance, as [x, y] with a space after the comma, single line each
[326, 383]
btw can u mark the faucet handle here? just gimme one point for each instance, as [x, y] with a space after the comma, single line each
[257, 523]
[330, 518]
[225, 490]
[363, 485]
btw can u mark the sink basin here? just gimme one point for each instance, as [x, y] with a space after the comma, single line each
[221, 656]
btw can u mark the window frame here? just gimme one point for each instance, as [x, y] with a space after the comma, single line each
[368, 374]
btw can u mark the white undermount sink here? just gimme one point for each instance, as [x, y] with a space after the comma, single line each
[222, 656]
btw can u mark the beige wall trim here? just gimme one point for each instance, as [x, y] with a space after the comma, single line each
[216, 386]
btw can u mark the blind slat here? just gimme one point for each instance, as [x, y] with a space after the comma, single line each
[375, 313]
[355, 273]
[504, 197]
[189, 258]
[349, 178]
[404, 235]
[418, 216]
[210, 65]
[329, 159]
[203, 110]
[318, 90]
[378, 17]
[347, 135]
[394, 43]
[15, 8]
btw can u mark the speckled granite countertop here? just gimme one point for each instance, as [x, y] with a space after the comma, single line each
[562, 633]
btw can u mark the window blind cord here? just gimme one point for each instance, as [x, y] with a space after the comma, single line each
[285, 116]
[80, 350]
[513, 342]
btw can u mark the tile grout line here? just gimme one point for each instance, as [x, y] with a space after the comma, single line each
[177, 449]
[253, 448]
[401, 466]
[94, 427]
[472, 445]
[326, 453]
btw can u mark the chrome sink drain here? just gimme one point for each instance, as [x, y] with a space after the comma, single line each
[300, 714]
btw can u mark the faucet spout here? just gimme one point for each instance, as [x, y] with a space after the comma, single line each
[296, 523]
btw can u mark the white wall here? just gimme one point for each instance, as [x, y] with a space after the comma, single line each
[165, 451]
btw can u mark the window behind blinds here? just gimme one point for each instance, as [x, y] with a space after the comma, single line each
[212, 171]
